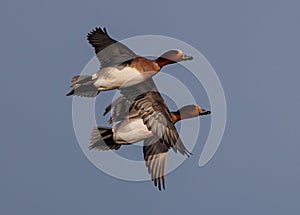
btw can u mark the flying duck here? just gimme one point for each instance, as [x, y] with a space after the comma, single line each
[120, 66]
[142, 114]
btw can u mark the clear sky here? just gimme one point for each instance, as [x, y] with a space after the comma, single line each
[253, 47]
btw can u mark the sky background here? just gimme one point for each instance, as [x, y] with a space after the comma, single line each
[254, 49]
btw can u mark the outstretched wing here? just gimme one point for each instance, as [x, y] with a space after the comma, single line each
[151, 107]
[155, 156]
[109, 51]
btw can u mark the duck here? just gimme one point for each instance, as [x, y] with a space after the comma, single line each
[120, 66]
[141, 114]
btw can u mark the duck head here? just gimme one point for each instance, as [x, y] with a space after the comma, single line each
[189, 111]
[172, 56]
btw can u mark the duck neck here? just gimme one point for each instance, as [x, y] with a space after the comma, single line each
[161, 61]
[184, 113]
[176, 116]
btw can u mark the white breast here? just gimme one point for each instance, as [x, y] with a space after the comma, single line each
[131, 131]
[111, 78]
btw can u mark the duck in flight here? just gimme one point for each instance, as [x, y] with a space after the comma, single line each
[142, 114]
[120, 66]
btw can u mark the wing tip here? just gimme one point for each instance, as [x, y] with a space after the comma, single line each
[97, 30]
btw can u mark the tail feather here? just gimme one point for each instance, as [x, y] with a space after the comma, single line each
[74, 79]
[102, 139]
[83, 86]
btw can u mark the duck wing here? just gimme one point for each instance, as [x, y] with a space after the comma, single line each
[155, 156]
[120, 109]
[152, 109]
[109, 51]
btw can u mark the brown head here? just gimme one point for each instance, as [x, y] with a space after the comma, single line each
[188, 111]
[172, 56]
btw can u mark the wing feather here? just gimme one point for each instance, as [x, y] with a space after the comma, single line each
[149, 104]
[155, 155]
[109, 51]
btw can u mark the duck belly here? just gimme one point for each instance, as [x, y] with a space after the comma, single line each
[112, 78]
[131, 131]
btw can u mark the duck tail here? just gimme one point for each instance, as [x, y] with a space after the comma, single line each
[102, 139]
[83, 86]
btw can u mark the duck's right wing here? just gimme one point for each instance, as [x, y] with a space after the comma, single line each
[109, 51]
[120, 109]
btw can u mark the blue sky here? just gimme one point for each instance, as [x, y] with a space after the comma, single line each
[253, 47]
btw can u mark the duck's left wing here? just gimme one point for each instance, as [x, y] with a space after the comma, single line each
[158, 120]
[155, 156]
[109, 51]
[152, 109]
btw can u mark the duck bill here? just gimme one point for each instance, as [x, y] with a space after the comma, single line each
[186, 57]
[204, 112]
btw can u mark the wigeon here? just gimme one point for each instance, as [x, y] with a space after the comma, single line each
[120, 66]
[143, 115]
